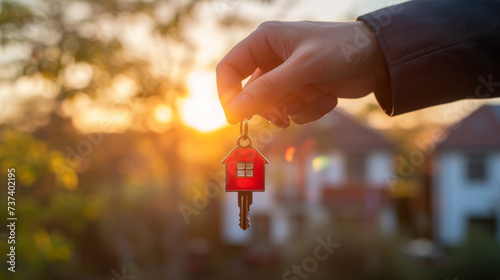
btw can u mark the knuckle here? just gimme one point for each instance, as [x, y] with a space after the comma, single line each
[269, 25]
[267, 84]
[219, 67]
[308, 56]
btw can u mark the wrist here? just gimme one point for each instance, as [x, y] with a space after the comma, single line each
[380, 78]
[377, 65]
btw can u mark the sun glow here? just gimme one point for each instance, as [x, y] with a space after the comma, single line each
[201, 109]
[163, 114]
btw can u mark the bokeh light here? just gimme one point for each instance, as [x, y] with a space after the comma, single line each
[163, 114]
[289, 154]
[319, 163]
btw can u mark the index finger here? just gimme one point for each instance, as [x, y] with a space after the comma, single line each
[248, 55]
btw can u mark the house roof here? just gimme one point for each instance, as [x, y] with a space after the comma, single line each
[345, 132]
[479, 130]
[338, 130]
[251, 148]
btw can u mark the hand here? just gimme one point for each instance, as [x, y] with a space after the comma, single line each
[298, 70]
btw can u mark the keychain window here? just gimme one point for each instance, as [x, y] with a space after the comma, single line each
[244, 169]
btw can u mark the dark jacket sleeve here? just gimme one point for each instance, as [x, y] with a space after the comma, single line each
[437, 52]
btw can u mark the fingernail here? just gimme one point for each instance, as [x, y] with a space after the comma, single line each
[277, 122]
[326, 101]
[293, 108]
[240, 104]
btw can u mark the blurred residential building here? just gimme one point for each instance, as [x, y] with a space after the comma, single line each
[466, 184]
[329, 174]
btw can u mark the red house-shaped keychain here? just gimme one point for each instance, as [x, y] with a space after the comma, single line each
[244, 173]
[245, 170]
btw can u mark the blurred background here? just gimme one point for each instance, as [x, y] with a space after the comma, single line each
[109, 114]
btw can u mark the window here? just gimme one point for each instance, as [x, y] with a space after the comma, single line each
[355, 167]
[244, 169]
[476, 167]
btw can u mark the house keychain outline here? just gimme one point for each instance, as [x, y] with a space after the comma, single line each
[245, 178]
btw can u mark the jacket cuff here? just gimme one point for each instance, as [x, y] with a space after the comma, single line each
[383, 90]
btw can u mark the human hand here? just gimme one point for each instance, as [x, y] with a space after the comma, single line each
[298, 70]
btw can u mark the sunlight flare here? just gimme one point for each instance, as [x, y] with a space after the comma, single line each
[201, 109]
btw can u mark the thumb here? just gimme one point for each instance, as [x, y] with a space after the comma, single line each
[266, 90]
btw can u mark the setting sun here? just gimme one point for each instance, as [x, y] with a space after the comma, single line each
[201, 109]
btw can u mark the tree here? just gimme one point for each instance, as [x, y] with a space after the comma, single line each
[59, 52]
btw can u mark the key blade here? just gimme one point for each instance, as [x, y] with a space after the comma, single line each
[244, 201]
[244, 208]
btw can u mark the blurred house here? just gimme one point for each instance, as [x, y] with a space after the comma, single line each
[328, 174]
[466, 184]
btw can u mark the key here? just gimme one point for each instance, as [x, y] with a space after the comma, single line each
[244, 172]
[244, 202]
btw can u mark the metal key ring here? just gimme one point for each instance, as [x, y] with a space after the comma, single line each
[244, 138]
[244, 128]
